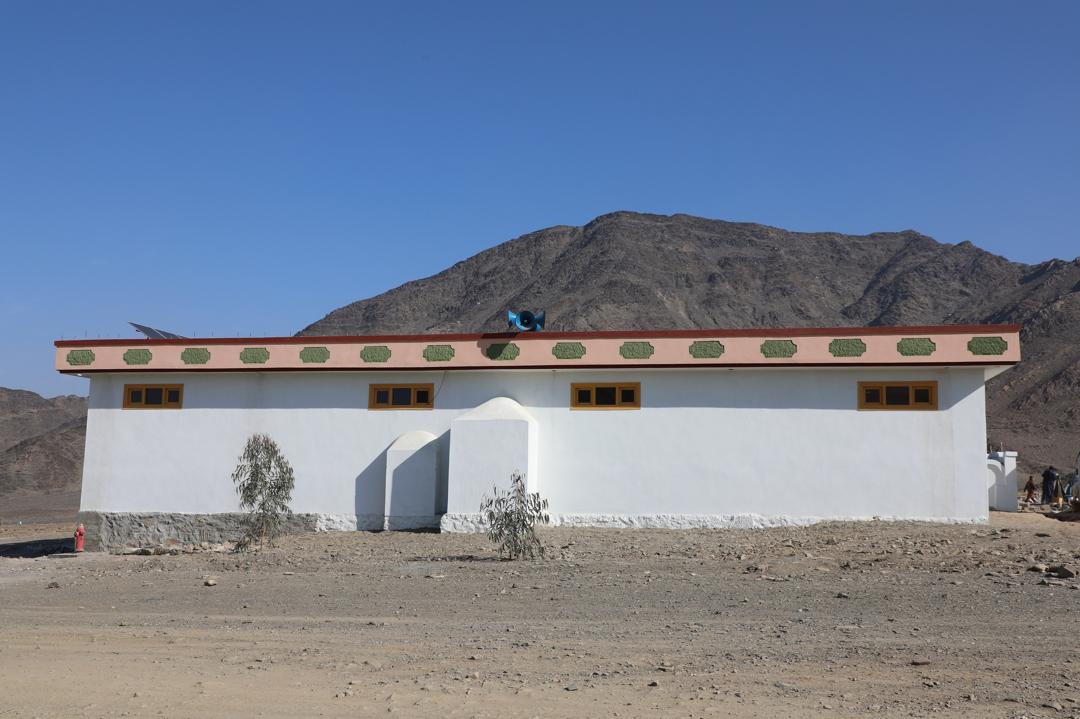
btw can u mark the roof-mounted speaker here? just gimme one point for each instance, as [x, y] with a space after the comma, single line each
[525, 321]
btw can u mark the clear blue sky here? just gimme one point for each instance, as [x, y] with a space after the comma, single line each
[225, 167]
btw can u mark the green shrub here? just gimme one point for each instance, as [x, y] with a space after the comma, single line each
[264, 480]
[511, 519]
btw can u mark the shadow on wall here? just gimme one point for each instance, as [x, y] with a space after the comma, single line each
[370, 497]
[371, 493]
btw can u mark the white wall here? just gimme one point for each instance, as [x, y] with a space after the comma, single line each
[773, 442]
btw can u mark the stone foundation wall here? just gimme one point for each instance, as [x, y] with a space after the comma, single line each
[115, 531]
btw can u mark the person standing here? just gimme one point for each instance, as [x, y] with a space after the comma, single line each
[1049, 479]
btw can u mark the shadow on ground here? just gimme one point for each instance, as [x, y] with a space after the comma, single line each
[37, 548]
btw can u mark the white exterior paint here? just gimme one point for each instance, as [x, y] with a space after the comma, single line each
[709, 447]
[412, 476]
[1002, 481]
[487, 445]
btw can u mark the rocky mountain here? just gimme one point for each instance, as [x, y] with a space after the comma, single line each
[41, 442]
[634, 271]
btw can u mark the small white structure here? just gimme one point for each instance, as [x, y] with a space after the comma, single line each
[1002, 481]
[688, 428]
[412, 476]
[487, 445]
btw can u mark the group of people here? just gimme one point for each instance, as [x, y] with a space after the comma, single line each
[1057, 488]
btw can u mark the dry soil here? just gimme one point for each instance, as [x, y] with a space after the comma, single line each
[837, 620]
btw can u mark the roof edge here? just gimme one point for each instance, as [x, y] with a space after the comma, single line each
[517, 336]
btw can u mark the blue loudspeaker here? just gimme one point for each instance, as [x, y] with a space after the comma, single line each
[525, 321]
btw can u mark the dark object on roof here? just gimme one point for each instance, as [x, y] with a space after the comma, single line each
[154, 334]
[525, 321]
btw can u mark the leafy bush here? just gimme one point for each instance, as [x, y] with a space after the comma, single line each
[511, 518]
[264, 480]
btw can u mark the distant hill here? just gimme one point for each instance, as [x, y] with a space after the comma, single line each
[634, 271]
[41, 444]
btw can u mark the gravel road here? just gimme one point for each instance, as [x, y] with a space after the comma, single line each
[879, 619]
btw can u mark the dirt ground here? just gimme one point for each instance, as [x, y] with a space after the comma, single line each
[879, 619]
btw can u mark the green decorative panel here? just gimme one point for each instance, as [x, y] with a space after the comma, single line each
[916, 347]
[375, 353]
[439, 353]
[80, 358]
[137, 357]
[316, 355]
[706, 349]
[987, 345]
[502, 351]
[851, 347]
[636, 350]
[774, 349]
[254, 355]
[568, 350]
[195, 355]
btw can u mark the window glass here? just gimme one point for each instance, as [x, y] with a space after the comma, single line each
[897, 395]
[141, 396]
[605, 396]
[402, 396]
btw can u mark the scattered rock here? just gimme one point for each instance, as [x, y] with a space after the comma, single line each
[843, 595]
[52, 585]
[1039, 567]
[1061, 571]
[920, 661]
[654, 683]
[210, 582]
[571, 687]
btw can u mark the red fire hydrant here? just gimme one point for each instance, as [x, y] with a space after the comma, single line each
[80, 538]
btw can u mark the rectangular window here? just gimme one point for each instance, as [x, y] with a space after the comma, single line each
[401, 396]
[898, 395]
[604, 395]
[153, 396]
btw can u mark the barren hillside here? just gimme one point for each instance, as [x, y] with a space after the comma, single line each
[633, 271]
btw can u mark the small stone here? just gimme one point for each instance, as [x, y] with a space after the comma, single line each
[654, 683]
[210, 583]
[1061, 571]
[571, 687]
[1042, 534]
[1039, 567]
[843, 595]
[920, 661]
[52, 585]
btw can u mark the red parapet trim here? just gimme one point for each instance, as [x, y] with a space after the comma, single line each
[576, 368]
[519, 336]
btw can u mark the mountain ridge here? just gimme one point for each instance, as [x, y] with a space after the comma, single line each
[626, 270]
